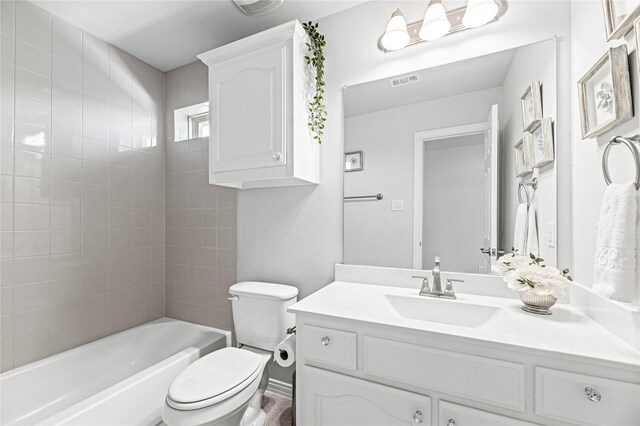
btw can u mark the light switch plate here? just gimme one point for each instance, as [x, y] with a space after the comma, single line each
[397, 205]
[551, 234]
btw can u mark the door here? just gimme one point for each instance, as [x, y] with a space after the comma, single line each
[248, 111]
[333, 399]
[491, 190]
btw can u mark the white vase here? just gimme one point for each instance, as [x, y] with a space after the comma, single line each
[536, 304]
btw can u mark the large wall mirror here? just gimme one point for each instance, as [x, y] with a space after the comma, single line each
[454, 161]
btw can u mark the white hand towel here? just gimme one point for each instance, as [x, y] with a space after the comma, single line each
[532, 232]
[520, 230]
[615, 262]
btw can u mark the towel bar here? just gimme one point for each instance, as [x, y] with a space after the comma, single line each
[365, 197]
[634, 152]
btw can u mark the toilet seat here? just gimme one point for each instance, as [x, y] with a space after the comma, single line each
[215, 378]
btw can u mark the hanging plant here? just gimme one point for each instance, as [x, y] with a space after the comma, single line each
[316, 110]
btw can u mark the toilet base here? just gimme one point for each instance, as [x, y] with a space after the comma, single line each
[255, 415]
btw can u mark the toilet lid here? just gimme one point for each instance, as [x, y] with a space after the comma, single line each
[214, 374]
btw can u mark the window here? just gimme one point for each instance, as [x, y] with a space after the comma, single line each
[199, 125]
[191, 122]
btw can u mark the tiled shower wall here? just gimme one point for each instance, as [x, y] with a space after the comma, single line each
[201, 218]
[82, 188]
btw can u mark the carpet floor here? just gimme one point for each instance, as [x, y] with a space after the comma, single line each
[278, 409]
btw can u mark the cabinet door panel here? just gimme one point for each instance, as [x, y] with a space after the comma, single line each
[336, 400]
[247, 111]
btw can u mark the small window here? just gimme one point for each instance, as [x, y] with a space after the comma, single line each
[199, 125]
[191, 122]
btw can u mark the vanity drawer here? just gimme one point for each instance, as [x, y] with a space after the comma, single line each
[330, 347]
[486, 380]
[564, 396]
[450, 414]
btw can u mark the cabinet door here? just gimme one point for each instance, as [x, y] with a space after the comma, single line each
[336, 400]
[450, 414]
[247, 110]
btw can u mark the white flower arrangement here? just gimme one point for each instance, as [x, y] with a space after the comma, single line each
[523, 273]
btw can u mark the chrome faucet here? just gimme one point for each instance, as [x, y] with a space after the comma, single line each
[437, 291]
[437, 286]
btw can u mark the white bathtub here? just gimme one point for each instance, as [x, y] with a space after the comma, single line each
[118, 380]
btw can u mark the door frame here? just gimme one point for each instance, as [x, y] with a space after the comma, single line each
[419, 139]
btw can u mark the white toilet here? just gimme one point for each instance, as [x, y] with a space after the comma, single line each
[226, 386]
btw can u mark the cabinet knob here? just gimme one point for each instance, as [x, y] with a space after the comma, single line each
[325, 340]
[277, 156]
[451, 422]
[417, 416]
[592, 394]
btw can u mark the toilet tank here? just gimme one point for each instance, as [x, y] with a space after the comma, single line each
[260, 314]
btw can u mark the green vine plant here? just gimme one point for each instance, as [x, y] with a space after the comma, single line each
[317, 113]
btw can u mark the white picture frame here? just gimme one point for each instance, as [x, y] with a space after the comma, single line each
[522, 151]
[619, 17]
[353, 161]
[605, 93]
[542, 152]
[531, 101]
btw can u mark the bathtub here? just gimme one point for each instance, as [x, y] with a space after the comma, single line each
[118, 380]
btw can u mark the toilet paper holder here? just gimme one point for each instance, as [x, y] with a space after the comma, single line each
[291, 330]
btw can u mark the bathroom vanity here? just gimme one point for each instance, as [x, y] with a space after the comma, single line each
[371, 351]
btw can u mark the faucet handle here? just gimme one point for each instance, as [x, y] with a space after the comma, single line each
[448, 287]
[419, 276]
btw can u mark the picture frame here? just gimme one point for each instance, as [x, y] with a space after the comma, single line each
[619, 17]
[542, 143]
[353, 161]
[605, 93]
[523, 155]
[531, 101]
[636, 26]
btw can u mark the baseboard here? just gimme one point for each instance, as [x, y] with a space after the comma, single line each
[279, 388]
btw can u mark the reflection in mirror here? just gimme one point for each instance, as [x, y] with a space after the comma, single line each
[462, 157]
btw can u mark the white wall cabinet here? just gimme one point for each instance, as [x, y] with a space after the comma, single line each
[259, 88]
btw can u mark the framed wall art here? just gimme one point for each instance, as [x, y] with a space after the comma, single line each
[531, 106]
[353, 161]
[542, 143]
[605, 93]
[523, 154]
[619, 16]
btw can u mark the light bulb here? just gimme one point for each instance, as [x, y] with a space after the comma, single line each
[479, 12]
[396, 36]
[435, 24]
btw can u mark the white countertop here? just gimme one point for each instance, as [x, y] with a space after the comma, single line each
[566, 332]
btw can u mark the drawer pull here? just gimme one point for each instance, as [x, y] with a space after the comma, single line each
[417, 416]
[592, 394]
[277, 156]
[451, 422]
[325, 341]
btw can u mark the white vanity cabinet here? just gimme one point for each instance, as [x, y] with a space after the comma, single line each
[356, 373]
[258, 93]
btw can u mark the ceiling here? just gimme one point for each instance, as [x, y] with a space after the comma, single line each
[472, 75]
[168, 34]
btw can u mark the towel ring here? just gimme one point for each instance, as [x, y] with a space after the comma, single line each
[522, 186]
[634, 151]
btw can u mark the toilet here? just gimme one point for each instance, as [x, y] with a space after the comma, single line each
[225, 387]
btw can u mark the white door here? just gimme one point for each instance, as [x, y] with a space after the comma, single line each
[332, 399]
[491, 190]
[247, 110]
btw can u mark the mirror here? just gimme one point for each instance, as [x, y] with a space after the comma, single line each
[438, 162]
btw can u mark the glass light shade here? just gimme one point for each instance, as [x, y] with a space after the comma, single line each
[479, 12]
[396, 36]
[435, 24]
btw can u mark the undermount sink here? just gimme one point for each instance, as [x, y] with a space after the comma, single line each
[450, 312]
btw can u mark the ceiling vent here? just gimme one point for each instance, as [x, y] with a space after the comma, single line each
[403, 80]
[258, 7]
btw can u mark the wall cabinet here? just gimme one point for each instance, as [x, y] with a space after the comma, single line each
[351, 373]
[259, 88]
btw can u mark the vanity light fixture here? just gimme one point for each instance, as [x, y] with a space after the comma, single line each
[438, 23]
[396, 36]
